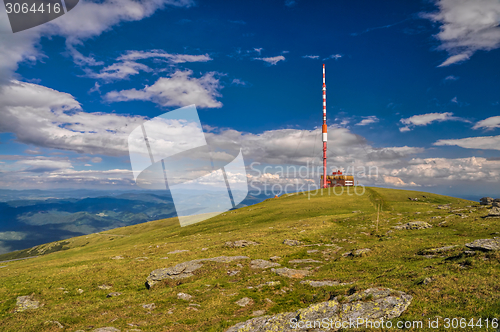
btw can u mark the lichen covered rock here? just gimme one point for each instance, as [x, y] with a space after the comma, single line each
[372, 304]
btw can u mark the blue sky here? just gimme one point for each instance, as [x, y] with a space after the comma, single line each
[412, 88]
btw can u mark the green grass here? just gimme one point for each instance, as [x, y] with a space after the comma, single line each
[462, 286]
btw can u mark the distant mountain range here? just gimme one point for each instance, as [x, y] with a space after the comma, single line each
[32, 217]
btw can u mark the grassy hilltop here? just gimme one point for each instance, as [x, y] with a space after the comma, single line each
[66, 275]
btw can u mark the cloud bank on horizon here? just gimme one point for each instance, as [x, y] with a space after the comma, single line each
[66, 108]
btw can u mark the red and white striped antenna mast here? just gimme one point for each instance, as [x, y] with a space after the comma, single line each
[325, 128]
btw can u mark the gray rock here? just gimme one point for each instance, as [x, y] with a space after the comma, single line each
[426, 281]
[324, 283]
[495, 204]
[149, 306]
[177, 251]
[184, 296]
[414, 225]
[113, 294]
[26, 303]
[258, 313]
[270, 284]
[244, 302]
[185, 270]
[300, 261]
[361, 252]
[232, 273]
[443, 207]
[106, 329]
[292, 242]
[104, 287]
[372, 304]
[55, 322]
[80, 291]
[494, 212]
[117, 257]
[485, 244]
[291, 273]
[262, 264]
[274, 258]
[240, 244]
[486, 201]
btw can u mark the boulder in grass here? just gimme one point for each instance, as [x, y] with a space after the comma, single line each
[485, 244]
[27, 302]
[414, 225]
[486, 201]
[494, 212]
[374, 304]
[291, 273]
[292, 242]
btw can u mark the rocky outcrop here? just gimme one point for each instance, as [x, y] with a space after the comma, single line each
[291, 273]
[485, 244]
[244, 302]
[324, 283]
[186, 269]
[292, 242]
[107, 329]
[262, 264]
[240, 244]
[27, 302]
[302, 261]
[494, 212]
[486, 201]
[414, 225]
[372, 304]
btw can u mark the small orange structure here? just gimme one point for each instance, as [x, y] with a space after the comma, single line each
[338, 179]
[276, 196]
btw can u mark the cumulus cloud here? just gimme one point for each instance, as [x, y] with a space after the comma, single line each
[451, 78]
[173, 58]
[119, 71]
[180, 89]
[99, 16]
[45, 117]
[395, 181]
[367, 120]
[311, 57]
[333, 56]
[467, 26]
[425, 119]
[483, 142]
[272, 60]
[488, 124]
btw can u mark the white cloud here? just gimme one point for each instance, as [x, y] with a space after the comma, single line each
[45, 117]
[442, 170]
[467, 26]
[484, 142]
[333, 56]
[451, 78]
[395, 181]
[368, 120]
[425, 119]
[311, 57]
[87, 20]
[180, 89]
[258, 50]
[272, 60]
[119, 71]
[489, 123]
[173, 58]
[237, 81]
